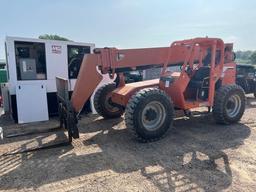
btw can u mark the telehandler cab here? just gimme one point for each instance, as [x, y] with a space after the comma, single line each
[206, 78]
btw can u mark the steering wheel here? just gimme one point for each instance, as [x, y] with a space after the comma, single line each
[74, 67]
[188, 69]
[181, 66]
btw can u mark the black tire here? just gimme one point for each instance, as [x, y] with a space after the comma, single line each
[254, 95]
[150, 102]
[103, 105]
[229, 104]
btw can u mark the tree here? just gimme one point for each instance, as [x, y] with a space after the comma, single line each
[243, 55]
[53, 37]
[253, 57]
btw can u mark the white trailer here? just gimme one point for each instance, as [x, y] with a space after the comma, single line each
[32, 66]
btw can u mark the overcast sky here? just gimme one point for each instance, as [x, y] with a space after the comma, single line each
[130, 23]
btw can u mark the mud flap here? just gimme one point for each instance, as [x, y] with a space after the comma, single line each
[67, 114]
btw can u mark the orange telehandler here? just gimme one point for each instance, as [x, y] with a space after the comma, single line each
[206, 79]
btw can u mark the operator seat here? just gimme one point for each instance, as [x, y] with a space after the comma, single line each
[198, 78]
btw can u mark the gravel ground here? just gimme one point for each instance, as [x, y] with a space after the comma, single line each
[196, 154]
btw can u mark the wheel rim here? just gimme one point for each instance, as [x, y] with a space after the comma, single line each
[108, 104]
[233, 105]
[153, 116]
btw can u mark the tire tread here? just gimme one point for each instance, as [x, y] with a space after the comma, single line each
[130, 109]
[98, 102]
[219, 101]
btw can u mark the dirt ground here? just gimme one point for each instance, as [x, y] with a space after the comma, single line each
[195, 155]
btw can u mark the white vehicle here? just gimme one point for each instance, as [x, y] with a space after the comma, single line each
[32, 66]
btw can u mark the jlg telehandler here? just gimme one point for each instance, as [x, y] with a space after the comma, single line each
[206, 79]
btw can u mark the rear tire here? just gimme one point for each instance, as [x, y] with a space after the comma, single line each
[103, 105]
[254, 95]
[149, 114]
[229, 104]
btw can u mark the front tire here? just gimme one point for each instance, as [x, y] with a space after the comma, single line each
[149, 113]
[103, 105]
[229, 104]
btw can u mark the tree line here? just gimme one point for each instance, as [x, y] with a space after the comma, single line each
[246, 57]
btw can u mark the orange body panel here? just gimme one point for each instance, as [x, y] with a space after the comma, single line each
[117, 59]
[87, 80]
[229, 74]
[122, 94]
[176, 89]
